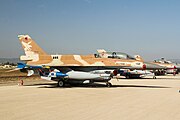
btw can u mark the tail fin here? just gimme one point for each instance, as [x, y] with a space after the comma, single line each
[138, 57]
[31, 49]
[102, 53]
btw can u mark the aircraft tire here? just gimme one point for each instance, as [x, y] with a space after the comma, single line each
[127, 77]
[61, 83]
[108, 84]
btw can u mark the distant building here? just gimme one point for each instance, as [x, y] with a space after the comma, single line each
[7, 67]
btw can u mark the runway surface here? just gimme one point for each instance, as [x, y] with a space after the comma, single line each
[133, 99]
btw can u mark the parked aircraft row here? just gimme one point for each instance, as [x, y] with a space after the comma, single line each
[153, 67]
[85, 69]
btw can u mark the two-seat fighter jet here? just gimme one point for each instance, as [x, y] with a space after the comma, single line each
[83, 69]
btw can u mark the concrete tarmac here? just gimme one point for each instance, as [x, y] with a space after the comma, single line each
[128, 99]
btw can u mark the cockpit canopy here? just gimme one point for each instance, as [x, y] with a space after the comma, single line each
[117, 55]
[162, 60]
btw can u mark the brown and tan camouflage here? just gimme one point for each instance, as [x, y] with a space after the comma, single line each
[34, 55]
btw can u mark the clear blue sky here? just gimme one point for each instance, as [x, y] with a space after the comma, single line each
[150, 28]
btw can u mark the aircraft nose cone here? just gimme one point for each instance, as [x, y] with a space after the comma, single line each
[152, 66]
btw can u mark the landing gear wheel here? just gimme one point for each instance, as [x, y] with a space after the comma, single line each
[61, 83]
[108, 84]
[127, 77]
[154, 77]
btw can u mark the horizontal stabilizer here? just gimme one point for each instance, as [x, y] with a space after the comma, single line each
[21, 65]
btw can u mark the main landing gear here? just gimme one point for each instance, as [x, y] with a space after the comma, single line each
[61, 83]
[108, 84]
[154, 77]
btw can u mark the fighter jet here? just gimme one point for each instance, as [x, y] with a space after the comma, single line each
[83, 69]
[131, 73]
[171, 68]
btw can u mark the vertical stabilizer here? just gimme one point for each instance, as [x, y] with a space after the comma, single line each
[31, 49]
[138, 57]
[102, 53]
